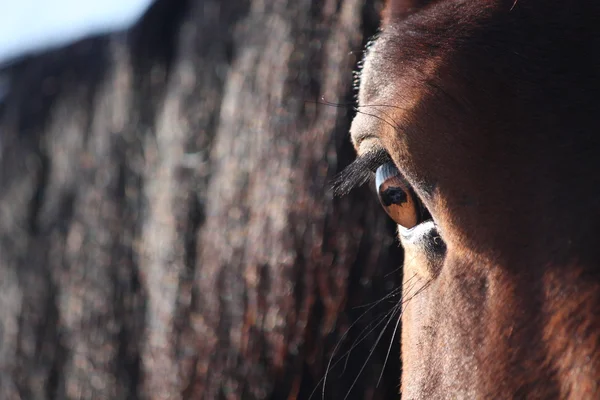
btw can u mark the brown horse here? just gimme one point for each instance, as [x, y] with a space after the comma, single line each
[481, 119]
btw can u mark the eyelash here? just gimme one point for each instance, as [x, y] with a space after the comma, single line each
[359, 172]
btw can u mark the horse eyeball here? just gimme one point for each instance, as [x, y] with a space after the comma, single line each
[395, 196]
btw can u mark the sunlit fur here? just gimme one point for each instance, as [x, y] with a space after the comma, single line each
[493, 115]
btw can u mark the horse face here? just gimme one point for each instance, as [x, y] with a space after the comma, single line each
[485, 116]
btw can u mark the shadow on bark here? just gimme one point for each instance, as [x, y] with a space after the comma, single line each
[167, 229]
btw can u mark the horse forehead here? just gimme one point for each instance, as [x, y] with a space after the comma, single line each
[394, 70]
[406, 58]
[408, 52]
[392, 84]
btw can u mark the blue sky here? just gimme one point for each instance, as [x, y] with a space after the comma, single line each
[30, 25]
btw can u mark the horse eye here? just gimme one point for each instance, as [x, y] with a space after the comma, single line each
[396, 197]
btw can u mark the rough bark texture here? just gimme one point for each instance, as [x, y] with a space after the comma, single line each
[166, 225]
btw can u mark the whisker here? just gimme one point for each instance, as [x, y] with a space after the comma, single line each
[393, 126]
[369, 356]
[380, 319]
[329, 365]
[332, 104]
[394, 271]
[398, 308]
[387, 317]
[384, 319]
[393, 293]
[348, 105]
[325, 102]
[383, 105]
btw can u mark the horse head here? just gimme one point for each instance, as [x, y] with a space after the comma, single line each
[481, 121]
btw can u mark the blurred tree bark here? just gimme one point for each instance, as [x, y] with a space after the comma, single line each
[166, 225]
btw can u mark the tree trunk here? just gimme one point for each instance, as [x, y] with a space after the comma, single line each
[167, 229]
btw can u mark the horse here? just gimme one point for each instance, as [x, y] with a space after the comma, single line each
[481, 122]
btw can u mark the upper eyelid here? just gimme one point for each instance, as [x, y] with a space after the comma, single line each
[366, 126]
[361, 132]
[359, 171]
[370, 144]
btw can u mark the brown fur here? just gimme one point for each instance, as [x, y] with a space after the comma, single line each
[490, 109]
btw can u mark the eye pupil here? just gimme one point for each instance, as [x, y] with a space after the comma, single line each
[393, 195]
